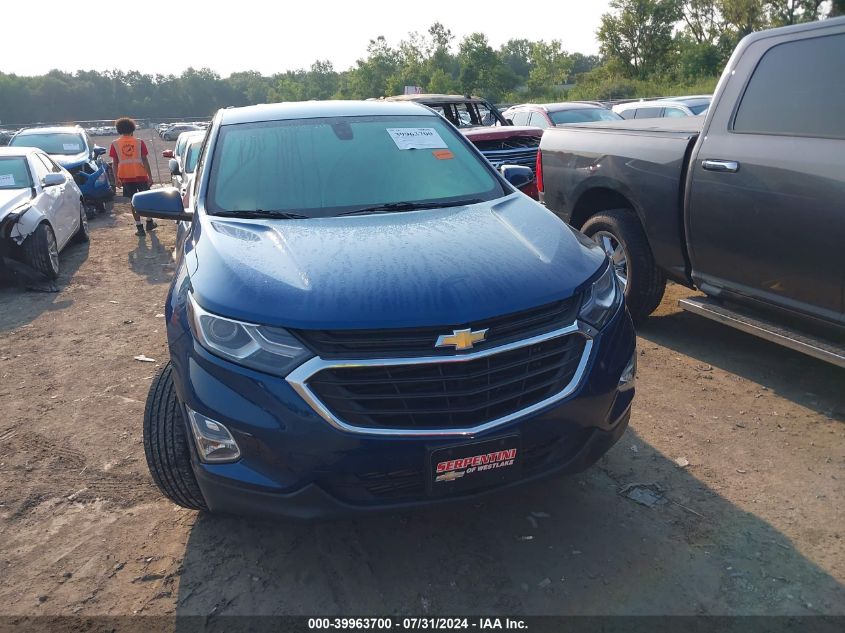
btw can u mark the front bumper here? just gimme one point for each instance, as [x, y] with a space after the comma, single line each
[295, 464]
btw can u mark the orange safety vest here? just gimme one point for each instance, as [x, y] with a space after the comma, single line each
[130, 165]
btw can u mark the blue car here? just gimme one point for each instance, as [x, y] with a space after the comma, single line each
[71, 147]
[367, 316]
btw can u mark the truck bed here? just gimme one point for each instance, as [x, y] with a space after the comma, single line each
[682, 126]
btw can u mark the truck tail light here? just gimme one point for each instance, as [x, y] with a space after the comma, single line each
[538, 171]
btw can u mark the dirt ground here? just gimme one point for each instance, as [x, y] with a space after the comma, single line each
[754, 524]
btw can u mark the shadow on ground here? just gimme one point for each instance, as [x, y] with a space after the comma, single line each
[567, 546]
[151, 259]
[19, 306]
[804, 380]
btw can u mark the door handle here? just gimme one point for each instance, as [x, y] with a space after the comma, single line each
[730, 166]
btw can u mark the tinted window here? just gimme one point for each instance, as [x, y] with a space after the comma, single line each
[648, 113]
[322, 167]
[585, 115]
[14, 173]
[538, 120]
[520, 117]
[52, 143]
[797, 89]
[698, 109]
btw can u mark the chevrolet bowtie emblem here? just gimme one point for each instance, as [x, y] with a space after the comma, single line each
[461, 339]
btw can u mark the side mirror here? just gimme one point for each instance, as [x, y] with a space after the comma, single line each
[173, 166]
[517, 175]
[165, 204]
[168, 153]
[51, 180]
[98, 151]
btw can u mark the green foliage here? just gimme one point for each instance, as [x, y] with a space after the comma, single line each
[649, 47]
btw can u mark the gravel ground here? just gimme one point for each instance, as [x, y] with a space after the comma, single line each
[740, 443]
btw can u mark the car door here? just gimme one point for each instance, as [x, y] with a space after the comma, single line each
[66, 205]
[766, 217]
[47, 199]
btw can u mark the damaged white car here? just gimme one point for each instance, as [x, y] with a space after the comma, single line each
[41, 209]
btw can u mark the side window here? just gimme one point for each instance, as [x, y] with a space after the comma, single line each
[797, 89]
[674, 113]
[628, 114]
[648, 113]
[39, 165]
[51, 164]
[538, 120]
[520, 117]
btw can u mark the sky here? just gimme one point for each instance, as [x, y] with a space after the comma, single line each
[167, 36]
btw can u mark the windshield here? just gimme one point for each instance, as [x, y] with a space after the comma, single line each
[192, 156]
[698, 109]
[470, 114]
[14, 174]
[585, 115]
[327, 166]
[66, 143]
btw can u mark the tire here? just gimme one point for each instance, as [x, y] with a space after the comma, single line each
[166, 444]
[90, 210]
[83, 234]
[41, 251]
[644, 281]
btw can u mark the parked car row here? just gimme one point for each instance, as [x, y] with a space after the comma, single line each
[171, 131]
[72, 148]
[41, 209]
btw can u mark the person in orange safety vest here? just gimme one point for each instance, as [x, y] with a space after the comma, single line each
[131, 166]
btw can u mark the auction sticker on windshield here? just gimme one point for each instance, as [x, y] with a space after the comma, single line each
[71, 147]
[474, 465]
[416, 138]
[7, 180]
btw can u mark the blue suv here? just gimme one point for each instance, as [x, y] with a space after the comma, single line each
[366, 315]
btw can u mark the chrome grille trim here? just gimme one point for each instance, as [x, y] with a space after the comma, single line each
[299, 377]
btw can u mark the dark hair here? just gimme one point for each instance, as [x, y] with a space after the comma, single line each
[125, 125]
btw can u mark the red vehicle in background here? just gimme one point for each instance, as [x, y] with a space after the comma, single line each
[501, 142]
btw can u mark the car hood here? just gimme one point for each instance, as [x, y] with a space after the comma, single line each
[70, 161]
[409, 269]
[11, 199]
[493, 133]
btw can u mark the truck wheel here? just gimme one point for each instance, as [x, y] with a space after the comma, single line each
[166, 444]
[619, 233]
[83, 234]
[41, 251]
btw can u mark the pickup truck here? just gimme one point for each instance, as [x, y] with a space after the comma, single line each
[746, 205]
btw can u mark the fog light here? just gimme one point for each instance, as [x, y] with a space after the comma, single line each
[214, 442]
[630, 371]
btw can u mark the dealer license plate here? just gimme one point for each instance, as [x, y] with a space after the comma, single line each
[474, 465]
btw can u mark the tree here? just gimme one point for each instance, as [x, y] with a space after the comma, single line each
[785, 12]
[703, 20]
[638, 37]
[550, 67]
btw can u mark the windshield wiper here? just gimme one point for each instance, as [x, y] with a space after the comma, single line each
[260, 215]
[392, 207]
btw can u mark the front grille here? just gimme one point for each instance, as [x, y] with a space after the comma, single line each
[520, 150]
[397, 342]
[441, 395]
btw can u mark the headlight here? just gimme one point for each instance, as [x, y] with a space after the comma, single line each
[269, 349]
[601, 300]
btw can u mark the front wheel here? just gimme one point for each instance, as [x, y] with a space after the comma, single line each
[619, 233]
[41, 251]
[83, 233]
[166, 444]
